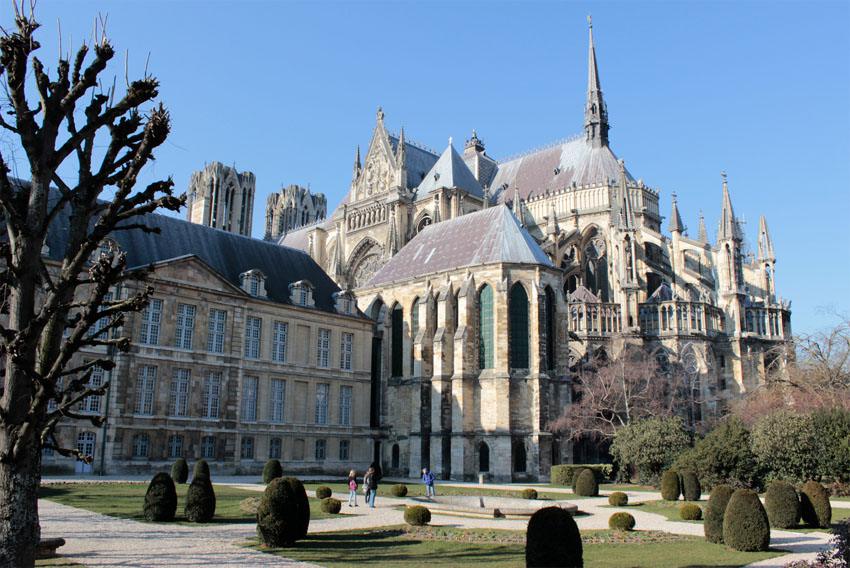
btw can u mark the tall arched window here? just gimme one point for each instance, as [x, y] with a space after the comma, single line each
[397, 340]
[485, 327]
[414, 328]
[549, 307]
[518, 327]
[483, 457]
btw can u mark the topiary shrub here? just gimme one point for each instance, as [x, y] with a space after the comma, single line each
[724, 456]
[670, 487]
[621, 522]
[323, 492]
[565, 474]
[417, 515]
[160, 498]
[745, 524]
[200, 500]
[690, 512]
[691, 489]
[618, 499]
[814, 505]
[553, 539]
[399, 490]
[586, 484]
[782, 504]
[331, 505]
[529, 494]
[283, 515]
[272, 470]
[202, 469]
[714, 512]
[576, 474]
[180, 471]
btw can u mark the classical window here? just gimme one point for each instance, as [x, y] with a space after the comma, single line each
[345, 303]
[397, 340]
[175, 446]
[254, 283]
[91, 404]
[275, 448]
[346, 349]
[346, 394]
[249, 399]
[321, 449]
[323, 349]
[141, 443]
[212, 394]
[277, 400]
[253, 331]
[279, 335]
[518, 327]
[322, 395]
[483, 457]
[301, 293]
[344, 450]
[178, 402]
[485, 327]
[208, 447]
[549, 318]
[247, 450]
[185, 326]
[520, 457]
[145, 387]
[217, 324]
[85, 443]
[151, 319]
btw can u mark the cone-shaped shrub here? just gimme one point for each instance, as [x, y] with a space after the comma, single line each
[323, 492]
[576, 475]
[621, 522]
[745, 524]
[202, 469]
[272, 470]
[586, 484]
[670, 486]
[714, 511]
[417, 515]
[200, 500]
[399, 490]
[553, 539]
[529, 494]
[814, 505]
[782, 504]
[180, 471]
[690, 512]
[283, 515]
[691, 489]
[161, 498]
[331, 505]
[618, 499]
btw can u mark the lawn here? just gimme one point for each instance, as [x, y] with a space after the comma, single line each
[126, 500]
[837, 515]
[58, 562]
[445, 547]
[668, 509]
[418, 490]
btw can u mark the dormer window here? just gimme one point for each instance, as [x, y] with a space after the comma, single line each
[105, 247]
[346, 304]
[254, 283]
[301, 294]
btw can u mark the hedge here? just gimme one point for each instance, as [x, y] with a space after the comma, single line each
[202, 469]
[180, 471]
[782, 504]
[323, 492]
[691, 488]
[565, 473]
[618, 499]
[690, 512]
[399, 490]
[331, 505]
[160, 498]
[670, 486]
[814, 505]
[553, 539]
[283, 515]
[745, 524]
[200, 500]
[714, 512]
[272, 470]
[529, 494]
[417, 515]
[621, 522]
[586, 484]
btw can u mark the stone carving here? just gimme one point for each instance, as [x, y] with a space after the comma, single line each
[364, 270]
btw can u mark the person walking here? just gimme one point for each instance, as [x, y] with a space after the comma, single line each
[352, 488]
[371, 482]
[428, 480]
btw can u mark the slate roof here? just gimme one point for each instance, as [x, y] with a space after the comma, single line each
[450, 171]
[297, 238]
[574, 161]
[418, 161]
[489, 236]
[226, 253]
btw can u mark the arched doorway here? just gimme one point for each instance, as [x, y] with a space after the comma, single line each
[483, 457]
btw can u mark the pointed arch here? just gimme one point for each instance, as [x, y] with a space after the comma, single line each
[520, 457]
[518, 327]
[549, 312]
[484, 306]
[483, 457]
[397, 340]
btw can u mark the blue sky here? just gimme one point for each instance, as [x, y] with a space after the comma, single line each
[287, 90]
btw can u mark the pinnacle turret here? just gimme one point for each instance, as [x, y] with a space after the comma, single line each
[702, 235]
[728, 226]
[595, 111]
[358, 167]
[675, 219]
[765, 243]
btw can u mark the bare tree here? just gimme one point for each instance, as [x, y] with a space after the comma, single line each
[105, 137]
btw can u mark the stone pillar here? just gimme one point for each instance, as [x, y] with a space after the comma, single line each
[463, 403]
[441, 382]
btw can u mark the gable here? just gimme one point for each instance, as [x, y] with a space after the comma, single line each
[192, 271]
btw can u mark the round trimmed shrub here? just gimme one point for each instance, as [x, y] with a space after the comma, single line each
[180, 471]
[586, 484]
[782, 504]
[417, 515]
[618, 499]
[691, 488]
[399, 490]
[202, 469]
[690, 512]
[814, 505]
[283, 515]
[529, 493]
[553, 539]
[200, 500]
[331, 505]
[714, 512]
[670, 486]
[576, 474]
[160, 498]
[745, 524]
[272, 470]
[323, 492]
[621, 522]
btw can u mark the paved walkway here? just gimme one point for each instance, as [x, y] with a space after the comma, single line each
[98, 540]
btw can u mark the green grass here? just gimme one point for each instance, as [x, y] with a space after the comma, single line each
[57, 563]
[837, 515]
[668, 509]
[393, 547]
[126, 500]
[418, 490]
[626, 487]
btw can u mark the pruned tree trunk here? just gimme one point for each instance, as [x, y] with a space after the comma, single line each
[19, 528]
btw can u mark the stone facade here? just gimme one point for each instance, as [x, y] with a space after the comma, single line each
[291, 208]
[222, 198]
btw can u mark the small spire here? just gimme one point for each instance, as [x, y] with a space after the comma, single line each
[379, 115]
[595, 112]
[622, 212]
[552, 221]
[728, 228]
[357, 165]
[401, 152]
[675, 219]
[517, 205]
[765, 243]
[702, 233]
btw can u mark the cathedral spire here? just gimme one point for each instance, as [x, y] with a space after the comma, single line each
[675, 219]
[595, 112]
[728, 228]
[402, 150]
[358, 167]
[765, 242]
[702, 234]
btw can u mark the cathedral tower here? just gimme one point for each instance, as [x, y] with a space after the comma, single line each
[222, 198]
